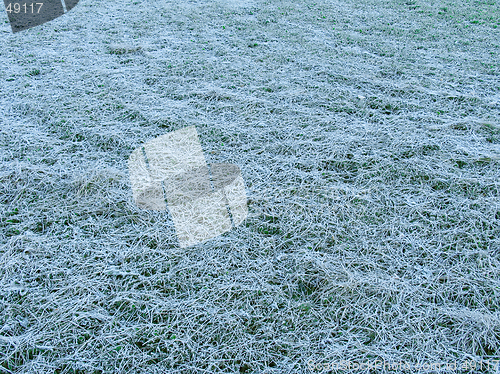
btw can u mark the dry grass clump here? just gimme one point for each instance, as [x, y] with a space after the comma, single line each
[368, 137]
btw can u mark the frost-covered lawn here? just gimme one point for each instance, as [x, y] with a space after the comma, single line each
[368, 136]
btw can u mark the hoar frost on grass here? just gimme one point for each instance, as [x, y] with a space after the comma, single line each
[368, 137]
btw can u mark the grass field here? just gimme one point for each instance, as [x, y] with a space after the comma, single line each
[368, 136]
